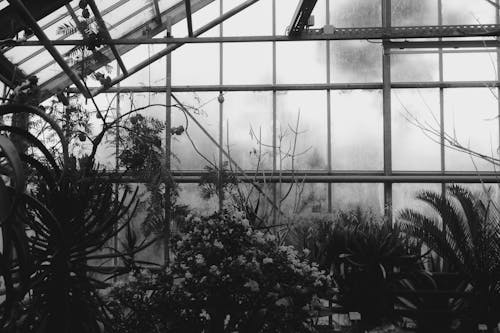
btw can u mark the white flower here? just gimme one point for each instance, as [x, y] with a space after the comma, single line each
[178, 282]
[226, 320]
[283, 302]
[318, 283]
[253, 285]
[214, 269]
[204, 314]
[259, 237]
[200, 260]
[131, 277]
[245, 223]
[267, 261]
[218, 244]
[270, 237]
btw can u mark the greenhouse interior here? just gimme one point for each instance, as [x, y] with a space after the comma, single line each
[160, 169]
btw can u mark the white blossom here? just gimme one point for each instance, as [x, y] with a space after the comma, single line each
[253, 285]
[267, 261]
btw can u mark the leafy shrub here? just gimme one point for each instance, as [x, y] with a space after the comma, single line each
[470, 243]
[228, 277]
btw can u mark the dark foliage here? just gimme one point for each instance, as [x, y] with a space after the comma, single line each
[52, 233]
[469, 242]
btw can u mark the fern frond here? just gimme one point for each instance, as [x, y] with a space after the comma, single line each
[427, 230]
[453, 221]
[66, 29]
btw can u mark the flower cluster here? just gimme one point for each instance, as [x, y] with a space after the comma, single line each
[228, 277]
[130, 303]
[239, 277]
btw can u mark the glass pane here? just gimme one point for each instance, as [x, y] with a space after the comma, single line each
[356, 13]
[153, 253]
[303, 198]
[151, 75]
[471, 118]
[53, 17]
[35, 63]
[190, 194]
[468, 12]
[301, 62]
[189, 69]
[248, 118]
[412, 148]
[414, 67]
[347, 196]
[193, 150]
[404, 196]
[414, 13]
[469, 66]
[243, 23]
[127, 12]
[357, 130]
[356, 61]
[247, 63]
[303, 113]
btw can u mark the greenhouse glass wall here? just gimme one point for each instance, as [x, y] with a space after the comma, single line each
[290, 113]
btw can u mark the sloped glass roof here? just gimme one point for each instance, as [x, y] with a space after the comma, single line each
[123, 19]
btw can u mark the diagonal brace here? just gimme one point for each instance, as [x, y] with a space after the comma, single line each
[31, 22]
[173, 47]
[104, 30]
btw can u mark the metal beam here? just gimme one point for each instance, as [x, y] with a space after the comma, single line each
[189, 18]
[313, 176]
[10, 73]
[31, 22]
[72, 13]
[443, 44]
[171, 48]
[301, 17]
[176, 13]
[339, 34]
[156, 8]
[302, 87]
[104, 30]
[11, 22]
[123, 20]
[387, 112]
[76, 20]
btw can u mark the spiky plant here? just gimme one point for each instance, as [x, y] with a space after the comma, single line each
[465, 231]
[51, 234]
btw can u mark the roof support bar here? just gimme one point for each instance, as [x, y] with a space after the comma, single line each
[301, 17]
[156, 8]
[10, 73]
[443, 44]
[188, 17]
[305, 87]
[106, 34]
[456, 44]
[310, 176]
[76, 20]
[31, 22]
[173, 47]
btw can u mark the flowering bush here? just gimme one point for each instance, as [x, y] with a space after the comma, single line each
[228, 277]
[130, 304]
